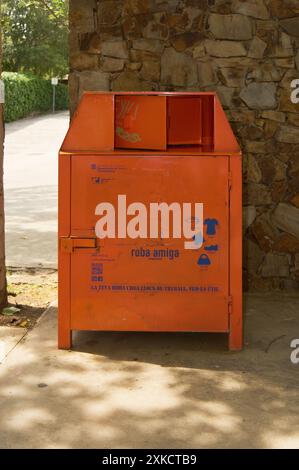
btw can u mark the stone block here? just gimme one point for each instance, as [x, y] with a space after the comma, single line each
[206, 73]
[275, 265]
[257, 48]
[150, 71]
[93, 81]
[225, 48]
[151, 45]
[82, 18]
[288, 134]
[84, 61]
[254, 8]
[235, 27]
[129, 81]
[110, 64]
[264, 232]
[118, 49]
[177, 68]
[109, 12]
[286, 218]
[257, 194]
[291, 25]
[260, 96]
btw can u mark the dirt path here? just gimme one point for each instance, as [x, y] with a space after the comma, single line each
[31, 291]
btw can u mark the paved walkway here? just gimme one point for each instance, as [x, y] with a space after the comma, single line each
[155, 390]
[30, 183]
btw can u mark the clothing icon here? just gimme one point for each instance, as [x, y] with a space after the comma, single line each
[211, 226]
[203, 260]
[211, 248]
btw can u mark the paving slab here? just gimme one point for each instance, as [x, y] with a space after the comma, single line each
[30, 184]
[9, 338]
[118, 390]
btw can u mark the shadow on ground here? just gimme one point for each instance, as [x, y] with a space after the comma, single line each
[156, 390]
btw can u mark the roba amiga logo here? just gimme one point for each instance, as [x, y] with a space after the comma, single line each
[136, 220]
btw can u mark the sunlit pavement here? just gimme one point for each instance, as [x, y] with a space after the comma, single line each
[155, 390]
[30, 184]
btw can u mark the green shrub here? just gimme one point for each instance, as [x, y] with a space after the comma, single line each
[27, 94]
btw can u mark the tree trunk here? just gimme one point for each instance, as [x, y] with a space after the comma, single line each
[3, 292]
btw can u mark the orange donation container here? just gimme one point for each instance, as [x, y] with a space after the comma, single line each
[150, 215]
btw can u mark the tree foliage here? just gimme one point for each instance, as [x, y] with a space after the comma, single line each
[27, 94]
[35, 36]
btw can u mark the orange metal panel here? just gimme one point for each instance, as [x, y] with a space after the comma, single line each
[224, 140]
[68, 244]
[143, 282]
[64, 259]
[64, 195]
[92, 126]
[208, 118]
[145, 309]
[184, 120]
[235, 224]
[150, 284]
[140, 122]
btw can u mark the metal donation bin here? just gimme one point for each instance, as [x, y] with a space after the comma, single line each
[150, 217]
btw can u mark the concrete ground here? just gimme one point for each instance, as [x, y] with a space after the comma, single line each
[9, 338]
[30, 183]
[131, 389]
[155, 390]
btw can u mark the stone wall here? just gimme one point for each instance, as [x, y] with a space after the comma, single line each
[248, 51]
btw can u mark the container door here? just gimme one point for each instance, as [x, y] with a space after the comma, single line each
[140, 122]
[143, 275]
[184, 120]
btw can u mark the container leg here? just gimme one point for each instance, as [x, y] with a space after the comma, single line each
[235, 342]
[65, 339]
[235, 279]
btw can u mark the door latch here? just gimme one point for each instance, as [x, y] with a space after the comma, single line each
[69, 244]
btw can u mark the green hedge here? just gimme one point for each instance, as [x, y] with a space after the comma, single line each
[27, 94]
